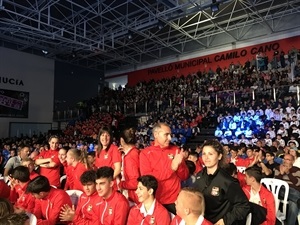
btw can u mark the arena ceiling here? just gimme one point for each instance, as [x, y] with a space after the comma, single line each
[108, 34]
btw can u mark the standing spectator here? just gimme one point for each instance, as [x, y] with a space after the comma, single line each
[49, 162]
[225, 201]
[149, 211]
[130, 165]
[166, 163]
[107, 153]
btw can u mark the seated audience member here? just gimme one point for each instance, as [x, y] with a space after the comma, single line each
[270, 164]
[49, 201]
[193, 156]
[149, 211]
[232, 170]
[259, 195]
[191, 179]
[4, 189]
[87, 204]
[15, 219]
[76, 167]
[113, 206]
[6, 207]
[18, 183]
[29, 163]
[291, 174]
[15, 161]
[91, 156]
[294, 152]
[190, 208]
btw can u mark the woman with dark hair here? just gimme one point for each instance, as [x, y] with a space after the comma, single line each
[130, 164]
[149, 211]
[225, 201]
[107, 153]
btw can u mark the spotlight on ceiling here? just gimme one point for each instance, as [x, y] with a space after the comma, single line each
[214, 6]
[160, 25]
[45, 52]
[129, 35]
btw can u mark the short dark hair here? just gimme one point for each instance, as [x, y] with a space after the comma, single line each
[88, 176]
[105, 172]
[21, 173]
[191, 166]
[254, 172]
[39, 184]
[231, 169]
[149, 182]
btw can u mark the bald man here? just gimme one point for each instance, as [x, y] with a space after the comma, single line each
[190, 207]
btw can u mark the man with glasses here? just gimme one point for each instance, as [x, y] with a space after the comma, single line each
[291, 174]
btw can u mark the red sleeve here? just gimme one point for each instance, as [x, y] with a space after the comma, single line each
[133, 217]
[5, 190]
[123, 209]
[54, 209]
[37, 211]
[78, 210]
[116, 154]
[163, 216]
[13, 196]
[270, 205]
[182, 171]
[131, 169]
[29, 203]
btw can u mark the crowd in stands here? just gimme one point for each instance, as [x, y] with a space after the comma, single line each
[147, 175]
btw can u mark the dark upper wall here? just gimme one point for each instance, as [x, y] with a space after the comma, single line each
[73, 84]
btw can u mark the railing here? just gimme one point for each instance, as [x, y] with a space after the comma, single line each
[145, 107]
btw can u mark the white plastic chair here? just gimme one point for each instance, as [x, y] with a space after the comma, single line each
[274, 185]
[74, 195]
[32, 219]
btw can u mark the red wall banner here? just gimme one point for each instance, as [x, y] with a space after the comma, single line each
[222, 59]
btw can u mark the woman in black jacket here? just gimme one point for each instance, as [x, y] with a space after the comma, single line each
[226, 203]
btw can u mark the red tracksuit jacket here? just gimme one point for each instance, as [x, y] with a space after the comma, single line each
[53, 174]
[267, 201]
[178, 221]
[73, 176]
[160, 216]
[131, 173]
[47, 210]
[22, 199]
[4, 190]
[109, 157]
[113, 210]
[86, 212]
[156, 161]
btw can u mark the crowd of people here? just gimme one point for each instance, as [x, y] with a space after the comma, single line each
[146, 175]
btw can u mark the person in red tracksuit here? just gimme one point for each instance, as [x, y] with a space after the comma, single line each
[149, 211]
[5, 190]
[130, 172]
[77, 168]
[166, 163]
[86, 212]
[107, 153]
[190, 207]
[29, 163]
[22, 201]
[49, 201]
[49, 162]
[258, 194]
[113, 207]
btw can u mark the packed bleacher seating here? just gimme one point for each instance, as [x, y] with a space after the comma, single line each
[257, 129]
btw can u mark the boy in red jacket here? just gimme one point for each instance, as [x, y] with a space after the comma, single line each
[49, 200]
[113, 206]
[190, 207]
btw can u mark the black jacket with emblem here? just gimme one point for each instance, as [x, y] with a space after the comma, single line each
[224, 197]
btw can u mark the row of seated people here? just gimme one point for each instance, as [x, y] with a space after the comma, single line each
[71, 157]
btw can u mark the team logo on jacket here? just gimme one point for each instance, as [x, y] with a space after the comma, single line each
[110, 211]
[215, 191]
[171, 156]
[152, 220]
[89, 208]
